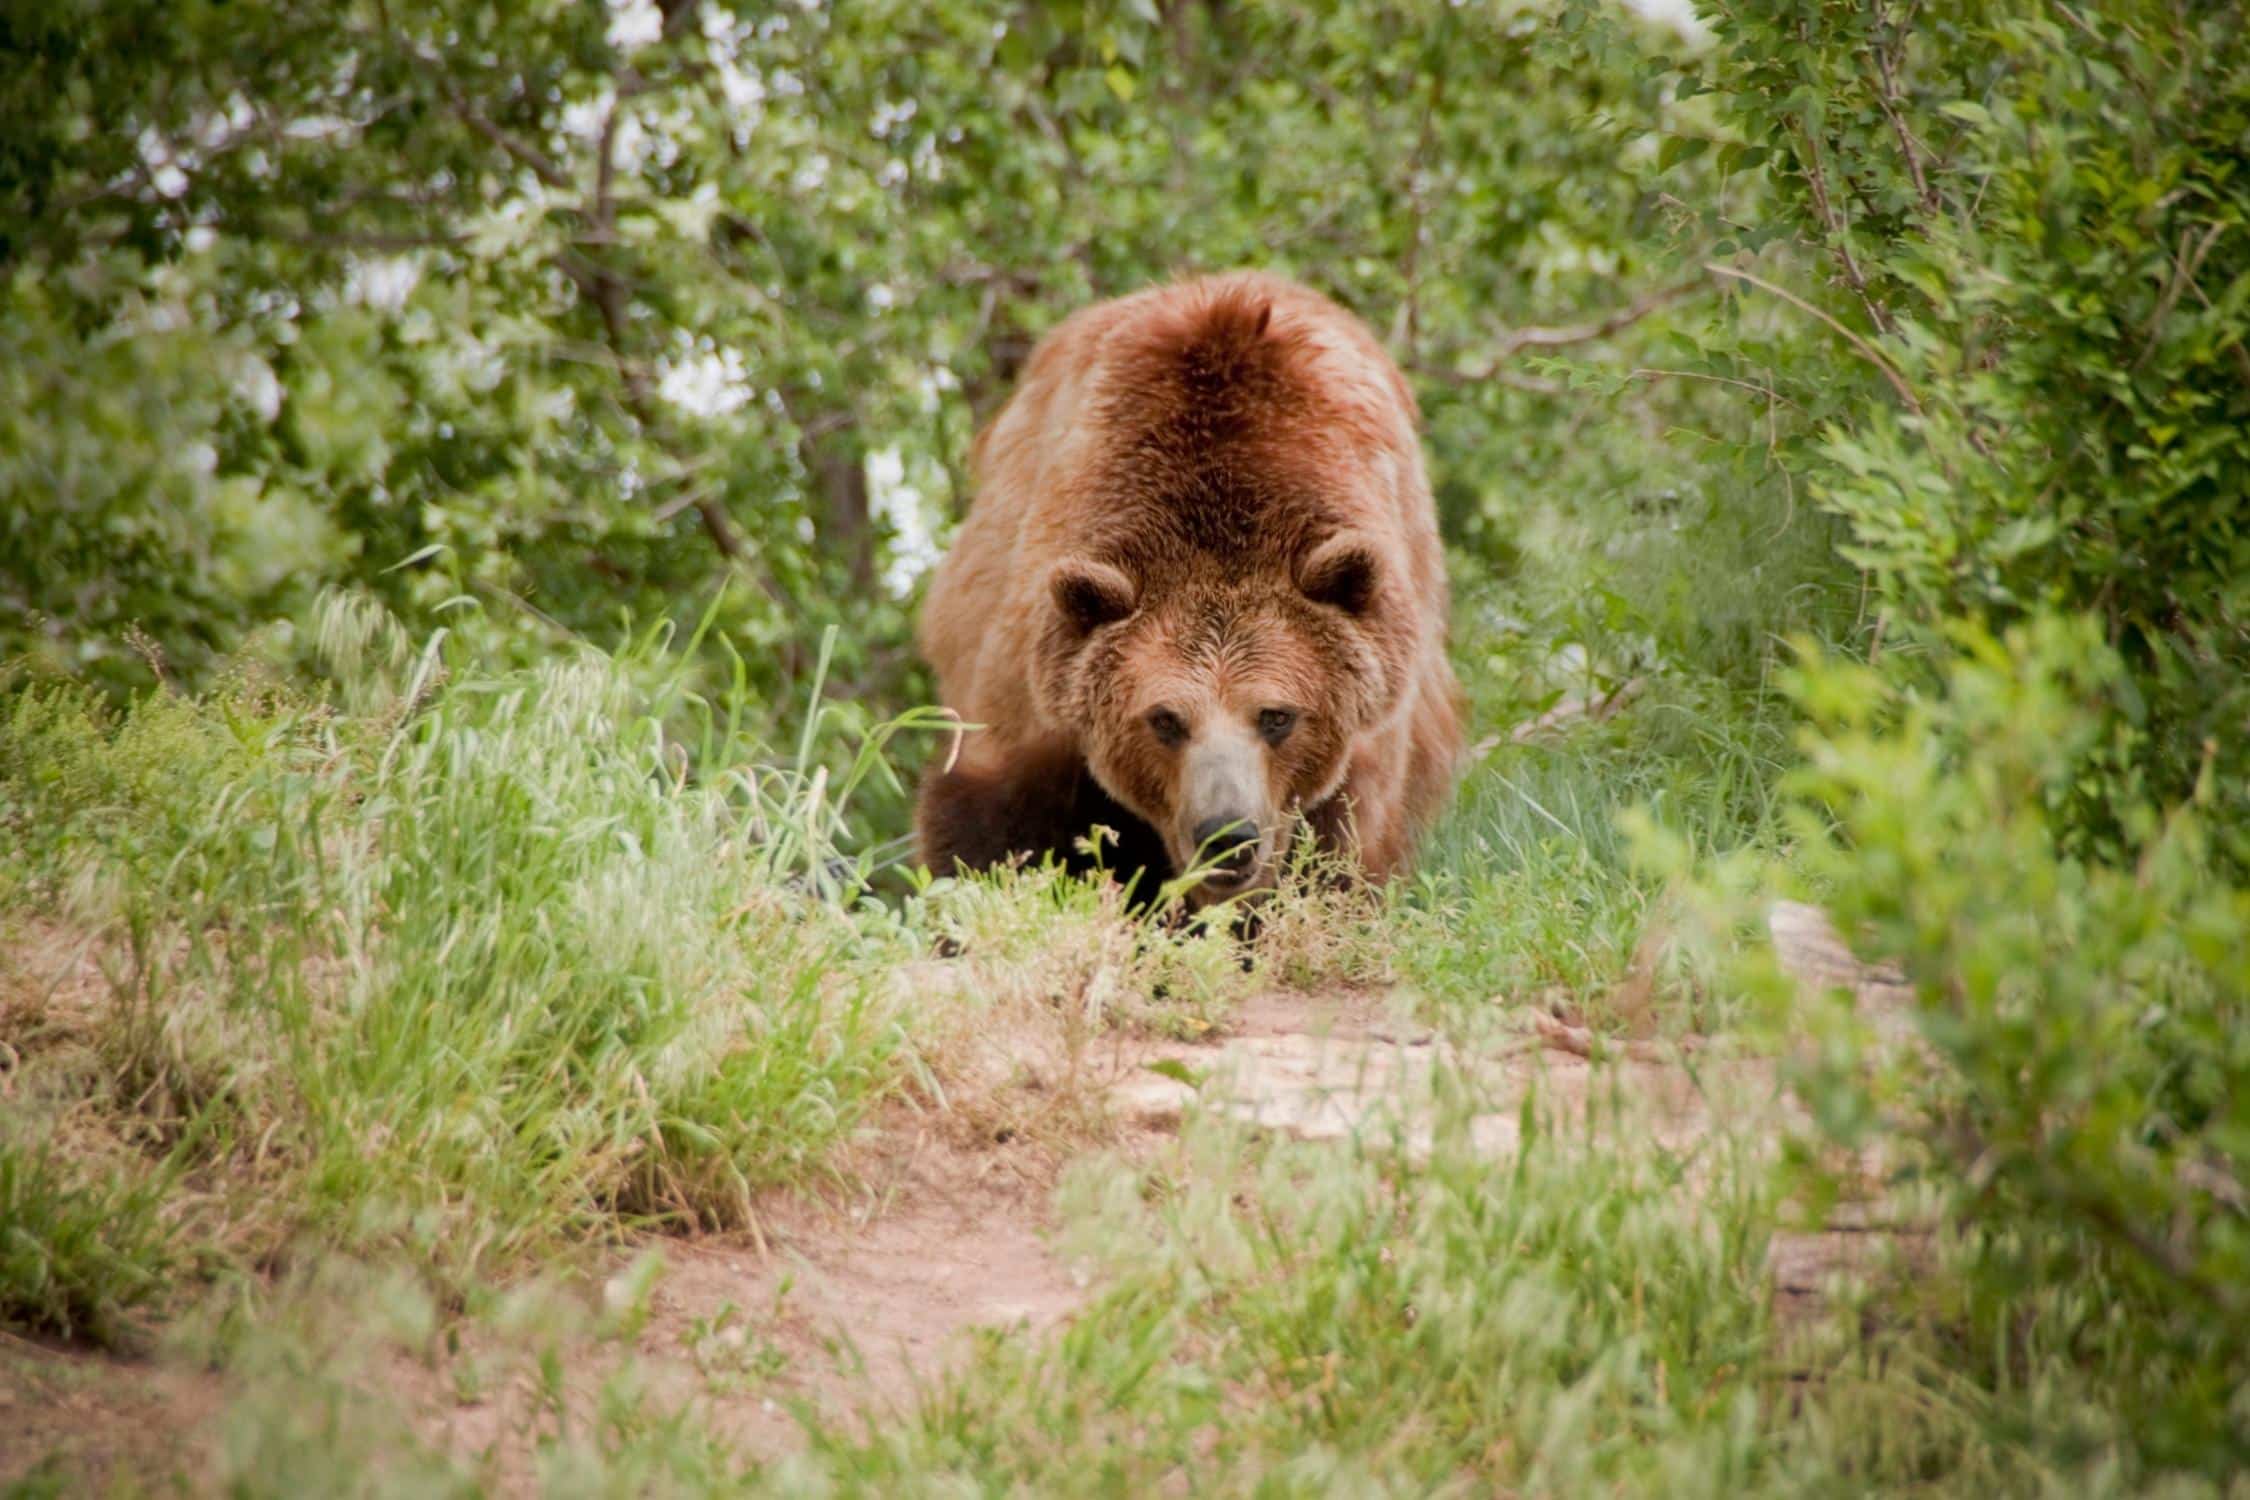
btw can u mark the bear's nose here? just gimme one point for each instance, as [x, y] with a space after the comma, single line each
[1229, 843]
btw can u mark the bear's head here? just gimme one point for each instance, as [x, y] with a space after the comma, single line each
[1218, 708]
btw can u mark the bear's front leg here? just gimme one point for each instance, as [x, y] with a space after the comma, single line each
[1030, 801]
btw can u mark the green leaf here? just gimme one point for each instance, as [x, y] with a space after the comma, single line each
[1177, 1071]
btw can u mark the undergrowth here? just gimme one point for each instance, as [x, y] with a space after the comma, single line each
[467, 969]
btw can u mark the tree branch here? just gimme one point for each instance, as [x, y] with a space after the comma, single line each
[543, 166]
[602, 286]
[2185, 263]
[1492, 376]
[350, 239]
[1872, 354]
[1887, 96]
[1651, 372]
[1833, 222]
[1408, 335]
[1514, 341]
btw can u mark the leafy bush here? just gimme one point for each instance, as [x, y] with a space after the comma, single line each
[120, 519]
[2035, 230]
[546, 319]
[2084, 1090]
[2026, 396]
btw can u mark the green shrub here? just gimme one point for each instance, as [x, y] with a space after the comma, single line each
[2033, 223]
[2084, 1089]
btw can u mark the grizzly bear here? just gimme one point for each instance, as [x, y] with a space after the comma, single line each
[1199, 599]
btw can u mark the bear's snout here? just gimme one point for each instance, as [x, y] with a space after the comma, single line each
[1223, 810]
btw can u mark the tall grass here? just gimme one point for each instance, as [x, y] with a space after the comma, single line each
[465, 964]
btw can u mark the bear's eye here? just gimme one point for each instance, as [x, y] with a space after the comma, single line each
[1275, 724]
[1168, 727]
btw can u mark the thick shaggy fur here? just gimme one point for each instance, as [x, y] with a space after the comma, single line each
[1204, 503]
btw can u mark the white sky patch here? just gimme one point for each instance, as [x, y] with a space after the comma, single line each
[481, 365]
[889, 117]
[1678, 14]
[317, 127]
[634, 24]
[214, 128]
[709, 384]
[257, 387]
[383, 284]
[743, 88]
[582, 118]
[163, 172]
[902, 506]
[634, 144]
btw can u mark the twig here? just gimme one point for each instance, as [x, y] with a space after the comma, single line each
[1817, 180]
[1580, 1042]
[1594, 709]
[602, 286]
[1409, 336]
[351, 240]
[1887, 96]
[960, 732]
[1534, 337]
[1509, 378]
[1873, 356]
[2236, 349]
[2184, 267]
[543, 166]
[1767, 391]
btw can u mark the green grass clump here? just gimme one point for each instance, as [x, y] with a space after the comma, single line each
[79, 1251]
[468, 965]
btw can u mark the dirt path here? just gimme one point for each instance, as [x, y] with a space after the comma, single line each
[849, 1307]
[873, 1303]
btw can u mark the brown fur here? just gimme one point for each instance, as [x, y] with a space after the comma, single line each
[1206, 501]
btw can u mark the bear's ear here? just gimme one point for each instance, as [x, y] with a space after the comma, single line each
[1091, 594]
[1342, 573]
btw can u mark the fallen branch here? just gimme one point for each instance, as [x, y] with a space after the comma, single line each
[1812, 952]
[1593, 709]
[1580, 1042]
[1834, 223]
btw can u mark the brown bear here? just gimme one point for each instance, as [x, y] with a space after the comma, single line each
[1199, 599]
